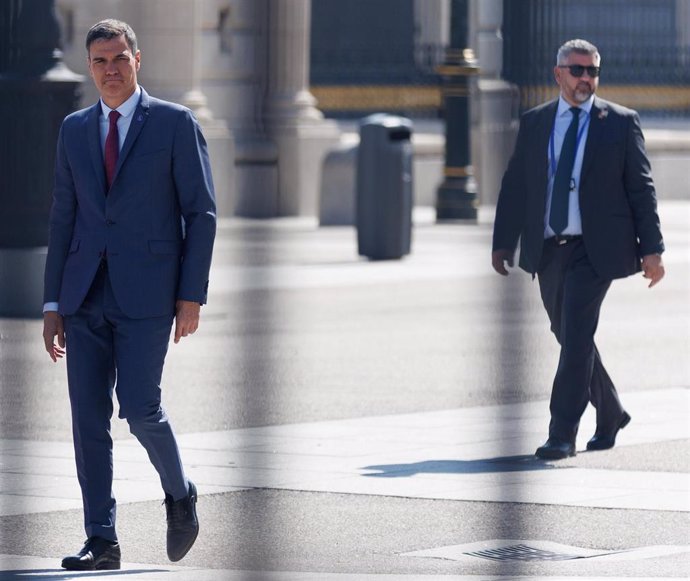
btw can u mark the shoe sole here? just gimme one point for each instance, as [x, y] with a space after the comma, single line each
[553, 455]
[105, 566]
[624, 422]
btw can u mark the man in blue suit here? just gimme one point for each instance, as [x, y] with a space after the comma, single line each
[578, 194]
[131, 236]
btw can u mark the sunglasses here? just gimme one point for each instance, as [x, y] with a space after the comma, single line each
[579, 70]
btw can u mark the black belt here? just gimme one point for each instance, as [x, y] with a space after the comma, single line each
[563, 239]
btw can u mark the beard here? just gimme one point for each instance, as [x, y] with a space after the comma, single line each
[582, 92]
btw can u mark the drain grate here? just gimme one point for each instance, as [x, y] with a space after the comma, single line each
[502, 550]
[522, 553]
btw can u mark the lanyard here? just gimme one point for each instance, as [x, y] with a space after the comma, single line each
[552, 147]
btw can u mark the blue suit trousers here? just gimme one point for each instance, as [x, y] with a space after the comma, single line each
[106, 352]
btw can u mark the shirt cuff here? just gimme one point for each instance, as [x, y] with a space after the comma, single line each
[48, 307]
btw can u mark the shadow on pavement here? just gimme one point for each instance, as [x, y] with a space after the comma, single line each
[523, 463]
[62, 574]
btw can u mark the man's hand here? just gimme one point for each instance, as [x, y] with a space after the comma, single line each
[499, 258]
[653, 268]
[186, 318]
[53, 326]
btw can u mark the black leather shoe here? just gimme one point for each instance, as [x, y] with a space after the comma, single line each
[605, 439]
[555, 449]
[97, 554]
[183, 524]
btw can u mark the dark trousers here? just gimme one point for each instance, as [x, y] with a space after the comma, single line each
[106, 352]
[572, 294]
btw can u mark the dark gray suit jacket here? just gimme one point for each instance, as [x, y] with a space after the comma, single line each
[617, 199]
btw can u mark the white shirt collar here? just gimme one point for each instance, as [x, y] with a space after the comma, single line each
[564, 106]
[127, 108]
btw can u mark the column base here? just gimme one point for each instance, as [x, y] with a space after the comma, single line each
[221, 150]
[256, 177]
[493, 135]
[456, 200]
[21, 282]
[301, 152]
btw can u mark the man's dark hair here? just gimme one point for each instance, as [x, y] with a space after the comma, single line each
[111, 28]
[578, 46]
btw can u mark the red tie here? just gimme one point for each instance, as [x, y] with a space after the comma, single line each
[112, 147]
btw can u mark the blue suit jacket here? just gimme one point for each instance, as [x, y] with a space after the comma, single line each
[156, 224]
[617, 196]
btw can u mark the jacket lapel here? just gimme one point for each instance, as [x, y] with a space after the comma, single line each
[543, 135]
[93, 136]
[597, 125]
[544, 129]
[139, 117]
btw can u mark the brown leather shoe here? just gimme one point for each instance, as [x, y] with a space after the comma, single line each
[605, 439]
[183, 524]
[97, 554]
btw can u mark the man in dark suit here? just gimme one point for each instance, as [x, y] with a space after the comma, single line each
[131, 235]
[579, 195]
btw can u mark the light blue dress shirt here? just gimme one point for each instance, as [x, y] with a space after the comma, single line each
[563, 119]
[126, 111]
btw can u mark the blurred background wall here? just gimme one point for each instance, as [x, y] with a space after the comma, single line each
[280, 85]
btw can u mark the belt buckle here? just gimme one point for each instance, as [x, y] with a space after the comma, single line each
[561, 241]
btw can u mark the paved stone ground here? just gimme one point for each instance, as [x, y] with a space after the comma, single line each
[345, 417]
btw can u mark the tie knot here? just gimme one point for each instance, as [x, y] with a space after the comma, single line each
[113, 116]
[575, 111]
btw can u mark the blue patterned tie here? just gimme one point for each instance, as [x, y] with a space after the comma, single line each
[558, 219]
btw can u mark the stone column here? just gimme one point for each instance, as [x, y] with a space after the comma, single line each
[256, 156]
[431, 30]
[83, 15]
[495, 115]
[291, 118]
[218, 136]
[170, 35]
[194, 98]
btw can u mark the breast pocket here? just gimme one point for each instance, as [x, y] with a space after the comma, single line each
[148, 165]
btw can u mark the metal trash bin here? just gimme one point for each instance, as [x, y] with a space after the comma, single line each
[384, 187]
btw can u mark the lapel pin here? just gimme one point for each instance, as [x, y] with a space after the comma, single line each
[603, 114]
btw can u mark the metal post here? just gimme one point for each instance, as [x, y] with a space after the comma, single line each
[456, 197]
[36, 92]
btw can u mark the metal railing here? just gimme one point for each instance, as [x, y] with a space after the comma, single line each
[644, 63]
[8, 16]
